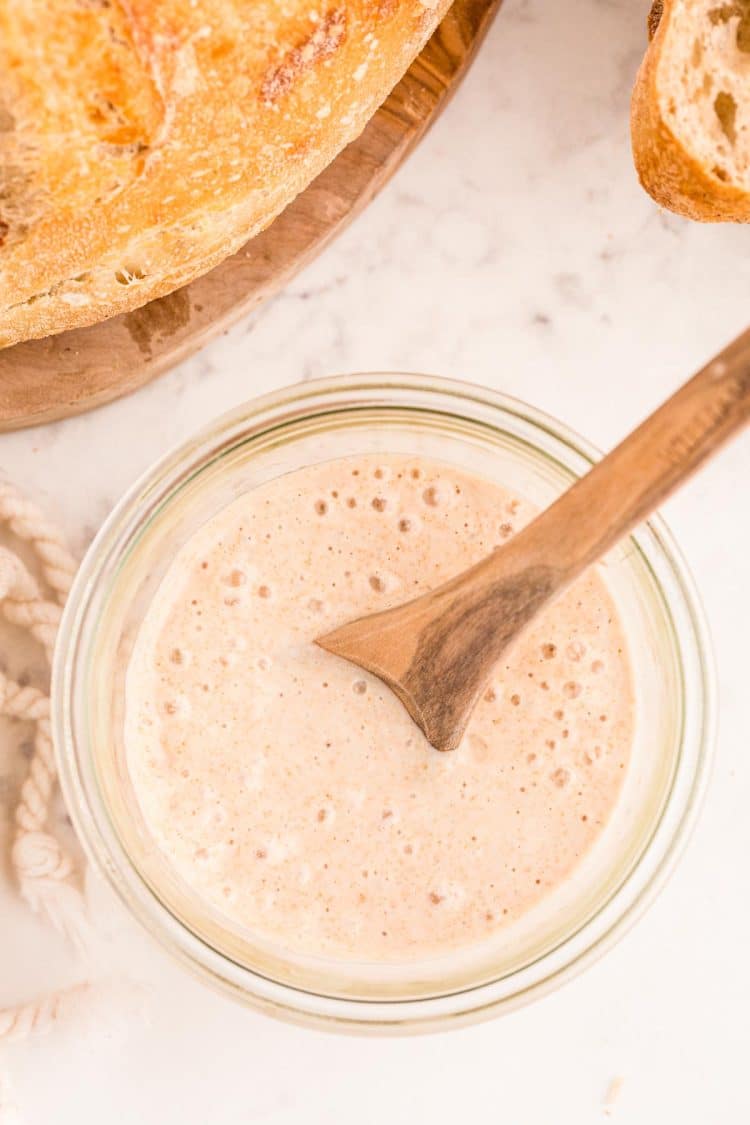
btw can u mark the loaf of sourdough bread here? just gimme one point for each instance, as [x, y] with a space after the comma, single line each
[143, 141]
[691, 109]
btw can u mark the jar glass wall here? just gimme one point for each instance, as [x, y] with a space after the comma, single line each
[481, 432]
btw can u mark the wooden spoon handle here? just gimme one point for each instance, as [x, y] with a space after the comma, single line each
[631, 481]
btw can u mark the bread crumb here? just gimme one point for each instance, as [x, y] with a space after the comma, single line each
[614, 1089]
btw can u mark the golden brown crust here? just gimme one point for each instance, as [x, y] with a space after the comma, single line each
[668, 172]
[654, 16]
[142, 143]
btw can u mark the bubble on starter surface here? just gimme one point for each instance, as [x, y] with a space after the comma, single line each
[276, 849]
[212, 815]
[251, 776]
[325, 815]
[449, 896]
[480, 746]
[561, 777]
[305, 874]
[178, 707]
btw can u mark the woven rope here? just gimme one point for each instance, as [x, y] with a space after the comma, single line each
[44, 871]
[40, 1016]
[26, 522]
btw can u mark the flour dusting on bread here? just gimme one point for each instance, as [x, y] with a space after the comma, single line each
[324, 40]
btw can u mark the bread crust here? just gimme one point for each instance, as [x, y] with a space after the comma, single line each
[668, 172]
[141, 143]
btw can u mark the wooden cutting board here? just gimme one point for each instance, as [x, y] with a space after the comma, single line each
[61, 375]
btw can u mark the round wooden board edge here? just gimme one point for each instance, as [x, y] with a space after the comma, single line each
[59, 376]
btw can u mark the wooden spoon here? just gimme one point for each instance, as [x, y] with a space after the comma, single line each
[438, 651]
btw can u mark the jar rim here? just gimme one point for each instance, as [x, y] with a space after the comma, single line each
[422, 394]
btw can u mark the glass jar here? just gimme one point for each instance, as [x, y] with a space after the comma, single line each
[479, 431]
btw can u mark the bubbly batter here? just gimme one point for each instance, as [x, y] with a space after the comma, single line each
[292, 791]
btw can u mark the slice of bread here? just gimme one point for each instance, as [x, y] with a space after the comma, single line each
[141, 142]
[691, 109]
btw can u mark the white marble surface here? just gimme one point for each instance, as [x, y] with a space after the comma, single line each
[515, 249]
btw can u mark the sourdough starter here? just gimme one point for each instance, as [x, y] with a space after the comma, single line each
[292, 791]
